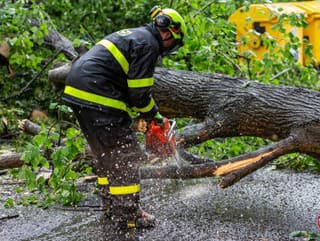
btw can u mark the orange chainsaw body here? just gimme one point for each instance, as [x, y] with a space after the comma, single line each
[160, 139]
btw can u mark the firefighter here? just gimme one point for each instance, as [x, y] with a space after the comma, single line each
[103, 86]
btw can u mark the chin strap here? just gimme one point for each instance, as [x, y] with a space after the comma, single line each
[174, 47]
[166, 39]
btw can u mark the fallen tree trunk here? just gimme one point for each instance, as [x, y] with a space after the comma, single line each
[228, 107]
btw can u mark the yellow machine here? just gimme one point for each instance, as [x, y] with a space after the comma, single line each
[257, 23]
[311, 33]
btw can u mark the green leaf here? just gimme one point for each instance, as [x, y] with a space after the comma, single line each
[65, 193]
[76, 42]
[9, 203]
[53, 106]
[71, 175]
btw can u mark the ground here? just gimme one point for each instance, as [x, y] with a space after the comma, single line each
[266, 206]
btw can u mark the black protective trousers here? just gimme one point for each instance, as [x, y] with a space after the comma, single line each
[118, 157]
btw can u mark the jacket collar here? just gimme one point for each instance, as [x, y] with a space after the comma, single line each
[155, 32]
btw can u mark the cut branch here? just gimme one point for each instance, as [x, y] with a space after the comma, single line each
[10, 160]
[233, 174]
[29, 127]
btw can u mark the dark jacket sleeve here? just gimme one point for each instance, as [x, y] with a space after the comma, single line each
[140, 80]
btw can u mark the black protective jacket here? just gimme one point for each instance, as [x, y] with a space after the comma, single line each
[116, 75]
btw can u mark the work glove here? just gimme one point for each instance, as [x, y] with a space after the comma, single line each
[139, 124]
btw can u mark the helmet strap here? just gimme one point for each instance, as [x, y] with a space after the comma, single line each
[166, 39]
[172, 48]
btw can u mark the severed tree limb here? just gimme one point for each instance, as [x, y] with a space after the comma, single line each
[10, 160]
[267, 155]
[29, 127]
[233, 169]
[57, 75]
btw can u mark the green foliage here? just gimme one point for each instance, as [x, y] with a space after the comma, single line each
[221, 149]
[61, 186]
[24, 25]
[91, 20]
[307, 236]
[44, 154]
[9, 203]
[22, 36]
[298, 162]
[209, 42]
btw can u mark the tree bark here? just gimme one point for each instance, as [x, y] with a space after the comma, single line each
[10, 160]
[229, 106]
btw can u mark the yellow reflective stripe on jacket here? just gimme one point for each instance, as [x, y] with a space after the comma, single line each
[123, 190]
[140, 83]
[146, 108]
[116, 54]
[98, 99]
[103, 181]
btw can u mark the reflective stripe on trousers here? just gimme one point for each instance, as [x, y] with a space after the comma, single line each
[119, 190]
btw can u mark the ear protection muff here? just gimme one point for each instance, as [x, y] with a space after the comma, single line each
[164, 21]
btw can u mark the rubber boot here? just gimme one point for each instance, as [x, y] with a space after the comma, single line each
[105, 199]
[144, 219]
[128, 214]
[106, 202]
[138, 219]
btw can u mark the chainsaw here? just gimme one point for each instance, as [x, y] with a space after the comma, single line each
[160, 140]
